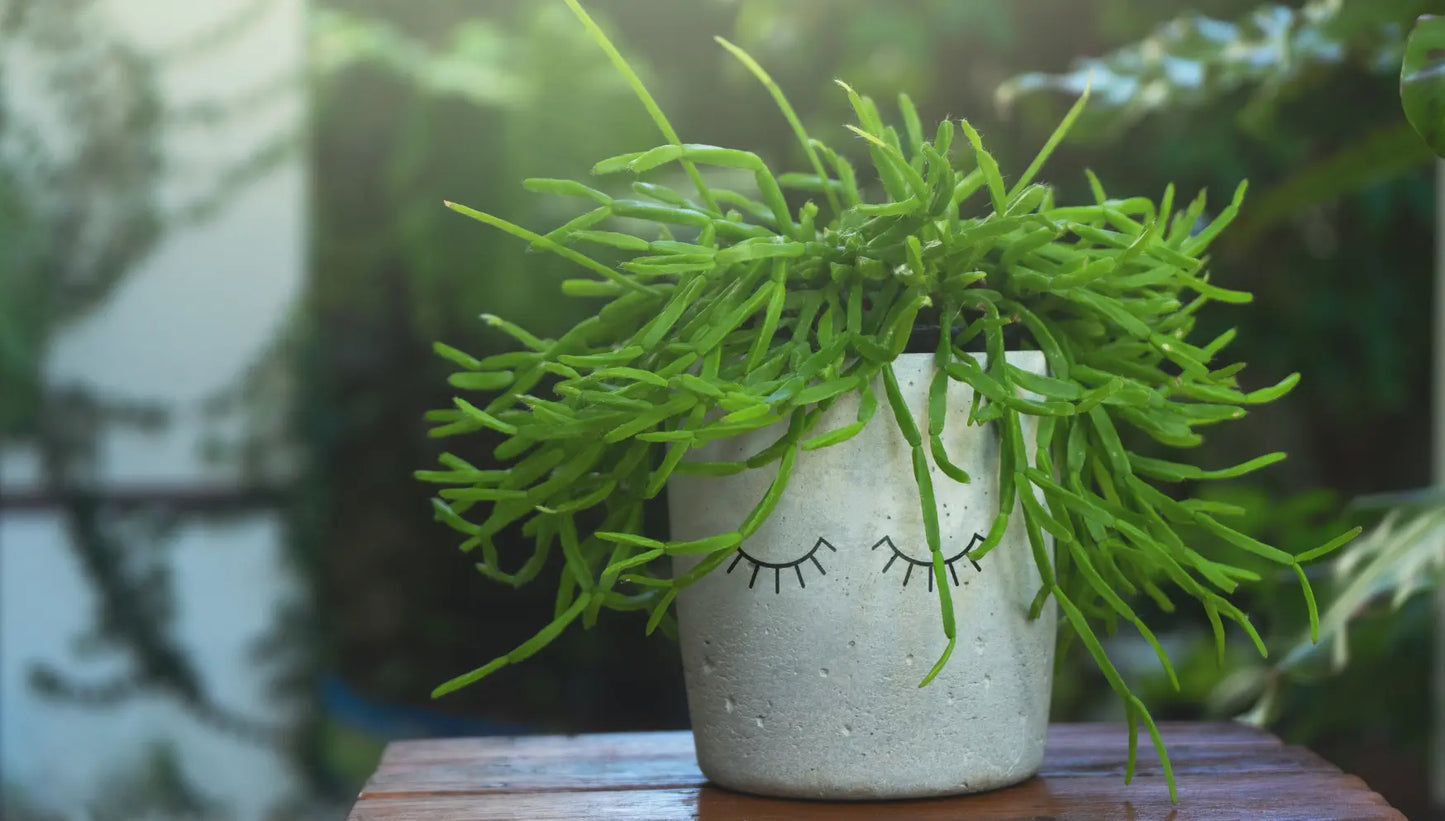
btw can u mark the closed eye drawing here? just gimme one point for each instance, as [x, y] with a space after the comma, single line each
[779, 568]
[910, 562]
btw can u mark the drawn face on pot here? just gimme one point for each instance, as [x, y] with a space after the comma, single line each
[850, 516]
[838, 579]
[887, 553]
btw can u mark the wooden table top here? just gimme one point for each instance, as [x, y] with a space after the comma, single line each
[1224, 771]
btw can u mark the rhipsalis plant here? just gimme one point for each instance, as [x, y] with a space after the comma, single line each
[734, 311]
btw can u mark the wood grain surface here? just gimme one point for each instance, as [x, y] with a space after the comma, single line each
[1224, 771]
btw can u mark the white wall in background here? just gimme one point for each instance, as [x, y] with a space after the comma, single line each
[183, 326]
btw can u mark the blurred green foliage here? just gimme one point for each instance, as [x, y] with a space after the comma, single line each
[1422, 81]
[75, 214]
[1272, 52]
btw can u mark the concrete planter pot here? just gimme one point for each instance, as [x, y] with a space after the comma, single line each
[803, 654]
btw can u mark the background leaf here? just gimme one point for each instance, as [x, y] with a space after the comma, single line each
[1422, 81]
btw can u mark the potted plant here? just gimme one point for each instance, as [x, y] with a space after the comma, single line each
[895, 422]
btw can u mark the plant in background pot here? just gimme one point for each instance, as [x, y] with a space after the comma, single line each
[892, 423]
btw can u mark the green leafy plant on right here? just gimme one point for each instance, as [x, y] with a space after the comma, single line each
[1404, 553]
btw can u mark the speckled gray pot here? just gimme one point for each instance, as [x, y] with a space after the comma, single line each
[803, 654]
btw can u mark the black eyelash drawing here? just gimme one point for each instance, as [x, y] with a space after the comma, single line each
[779, 567]
[928, 565]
